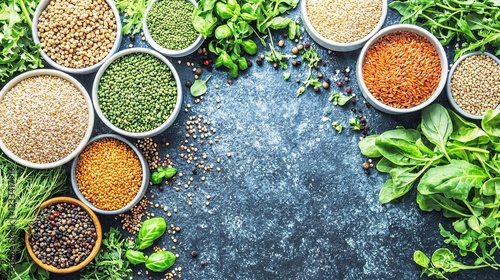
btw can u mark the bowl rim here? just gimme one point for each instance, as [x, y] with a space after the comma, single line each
[172, 53]
[337, 46]
[168, 122]
[88, 102]
[455, 106]
[416, 30]
[140, 193]
[95, 249]
[81, 71]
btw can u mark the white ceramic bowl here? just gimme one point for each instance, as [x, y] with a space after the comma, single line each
[151, 133]
[388, 30]
[138, 196]
[448, 85]
[83, 141]
[172, 53]
[336, 46]
[80, 71]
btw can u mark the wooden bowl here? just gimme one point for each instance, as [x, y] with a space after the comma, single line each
[92, 254]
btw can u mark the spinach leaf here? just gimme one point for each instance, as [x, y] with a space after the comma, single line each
[401, 182]
[368, 148]
[436, 126]
[151, 229]
[399, 147]
[384, 165]
[467, 132]
[491, 123]
[437, 202]
[199, 87]
[454, 180]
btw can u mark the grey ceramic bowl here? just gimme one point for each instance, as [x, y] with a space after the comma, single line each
[448, 85]
[80, 71]
[171, 119]
[172, 53]
[388, 30]
[138, 196]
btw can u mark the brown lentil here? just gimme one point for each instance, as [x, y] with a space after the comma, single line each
[401, 69]
[48, 127]
[475, 84]
[344, 21]
[77, 33]
[109, 174]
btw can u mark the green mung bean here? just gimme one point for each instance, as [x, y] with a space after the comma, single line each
[137, 92]
[169, 23]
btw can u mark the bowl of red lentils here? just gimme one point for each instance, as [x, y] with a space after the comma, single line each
[402, 69]
[77, 36]
[168, 27]
[343, 25]
[137, 93]
[110, 175]
[65, 235]
[473, 85]
[46, 118]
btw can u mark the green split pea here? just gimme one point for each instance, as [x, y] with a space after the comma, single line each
[169, 23]
[137, 92]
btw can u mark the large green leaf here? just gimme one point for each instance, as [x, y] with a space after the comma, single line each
[436, 125]
[454, 180]
[399, 147]
[491, 123]
[368, 148]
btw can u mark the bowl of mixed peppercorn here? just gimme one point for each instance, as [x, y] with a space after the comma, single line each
[110, 175]
[168, 27]
[137, 93]
[65, 235]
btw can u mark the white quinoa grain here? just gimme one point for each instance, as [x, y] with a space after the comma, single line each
[43, 119]
[344, 21]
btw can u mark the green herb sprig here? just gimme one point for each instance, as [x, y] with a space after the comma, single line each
[456, 167]
[133, 11]
[312, 59]
[162, 172]
[474, 21]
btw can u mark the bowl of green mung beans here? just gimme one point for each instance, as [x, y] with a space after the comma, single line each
[168, 27]
[137, 93]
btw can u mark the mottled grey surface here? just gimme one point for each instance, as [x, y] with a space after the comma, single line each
[292, 201]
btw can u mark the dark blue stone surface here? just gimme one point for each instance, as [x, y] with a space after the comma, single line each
[292, 201]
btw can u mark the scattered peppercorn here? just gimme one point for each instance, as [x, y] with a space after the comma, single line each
[348, 90]
[339, 83]
[281, 43]
[188, 83]
[259, 61]
[194, 254]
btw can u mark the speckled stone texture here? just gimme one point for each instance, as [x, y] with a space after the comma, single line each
[291, 201]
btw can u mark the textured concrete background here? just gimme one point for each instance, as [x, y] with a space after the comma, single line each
[292, 201]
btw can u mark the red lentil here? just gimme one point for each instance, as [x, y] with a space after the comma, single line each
[109, 174]
[401, 69]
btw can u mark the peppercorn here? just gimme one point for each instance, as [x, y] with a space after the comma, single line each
[348, 90]
[202, 263]
[353, 110]
[300, 47]
[275, 65]
[307, 45]
[316, 88]
[339, 83]
[194, 254]
[281, 43]
[249, 63]
[188, 83]
[353, 101]
[346, 79]
[295, 50]
[320, 75]
[259, 61]
[326, 85]
[198, 71]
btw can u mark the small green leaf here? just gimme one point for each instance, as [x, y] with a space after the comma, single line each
[199, 87]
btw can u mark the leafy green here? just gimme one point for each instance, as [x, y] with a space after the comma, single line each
[18, 52]
[22, 191]
[151, 229]
[231, 26]
[163, 172]
[199, 87]
[110, 262]
[312, 59]
[160, 261]
[476, 22]
[339, 99]
[133, 11]
[456, 167]
[337, 126]
[135, 257]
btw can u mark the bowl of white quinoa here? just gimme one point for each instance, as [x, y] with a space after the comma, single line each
[46, 118]
[343, 25]
[77, 36]
[473, 85]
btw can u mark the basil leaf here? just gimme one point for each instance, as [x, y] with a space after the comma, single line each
[151, 230]
[135, 257]
[160, 261]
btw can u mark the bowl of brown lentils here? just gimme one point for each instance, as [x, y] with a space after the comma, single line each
[168, 27]
[77, 36]
[343, 25]
[46, 118]
[473, 85]
[110, 175]
[65, 235]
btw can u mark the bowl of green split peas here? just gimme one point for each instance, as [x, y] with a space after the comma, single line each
[168, 27]
[137, 93]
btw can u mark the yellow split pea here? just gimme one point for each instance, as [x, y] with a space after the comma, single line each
[109, 174]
